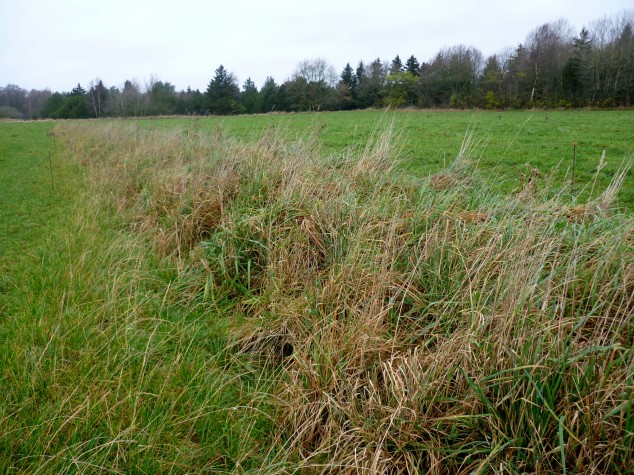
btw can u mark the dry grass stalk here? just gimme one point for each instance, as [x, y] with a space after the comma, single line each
[406, 341]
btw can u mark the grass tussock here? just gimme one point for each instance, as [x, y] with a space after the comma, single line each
[410, 325]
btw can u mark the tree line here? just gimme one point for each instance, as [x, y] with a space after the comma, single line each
[554, 67]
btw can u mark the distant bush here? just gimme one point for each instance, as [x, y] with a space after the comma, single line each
[8, 112]
[564, 104]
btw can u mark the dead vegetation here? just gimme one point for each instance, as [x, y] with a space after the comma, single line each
[414, 326]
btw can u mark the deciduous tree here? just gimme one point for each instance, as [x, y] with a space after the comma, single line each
[316, 70]
[401, 89]
[97, 98]
[160, 98]
[451, 78]
[548, 51]
[312, 86]
[490, 83]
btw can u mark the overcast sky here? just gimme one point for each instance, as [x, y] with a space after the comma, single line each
[58, 43]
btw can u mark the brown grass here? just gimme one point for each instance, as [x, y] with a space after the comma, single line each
[414, 328]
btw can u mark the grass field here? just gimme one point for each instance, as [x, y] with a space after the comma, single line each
[430, 140]
[281, 294]
[100, 369]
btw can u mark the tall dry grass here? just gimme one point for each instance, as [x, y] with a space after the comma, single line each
[412, 325]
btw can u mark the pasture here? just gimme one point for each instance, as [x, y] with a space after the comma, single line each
[360, 292]
[430, 140]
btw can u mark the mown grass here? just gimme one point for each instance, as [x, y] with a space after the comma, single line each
[272, 305]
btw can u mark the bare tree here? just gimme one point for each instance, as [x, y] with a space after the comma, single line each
[549, 47]
[97, 96]
[452, 76]
[132, 99]
[36, 100]
[610, 58]
[316, 70]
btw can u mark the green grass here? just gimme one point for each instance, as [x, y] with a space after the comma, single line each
[185, 301]
[102, 367]
[430, 140]
[30, 209]
[28, 201]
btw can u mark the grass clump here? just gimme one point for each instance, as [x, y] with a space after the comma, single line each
[392, 324]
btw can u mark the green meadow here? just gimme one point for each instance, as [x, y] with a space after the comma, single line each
[350, 292]
[430, 140]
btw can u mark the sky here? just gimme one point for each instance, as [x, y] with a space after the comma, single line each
[57, 44]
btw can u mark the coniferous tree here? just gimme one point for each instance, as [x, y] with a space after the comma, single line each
[250, 99]
[52, 105]
[396, 66]
[269, 95]
[347, 87]
[576, 75]
[78, 91]
[412, 66]
[360, 73]
[74, 105]
[362, 100]
[222, 93]
[371, 94]
[282, 98]
[582, 52]
[348, 77]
